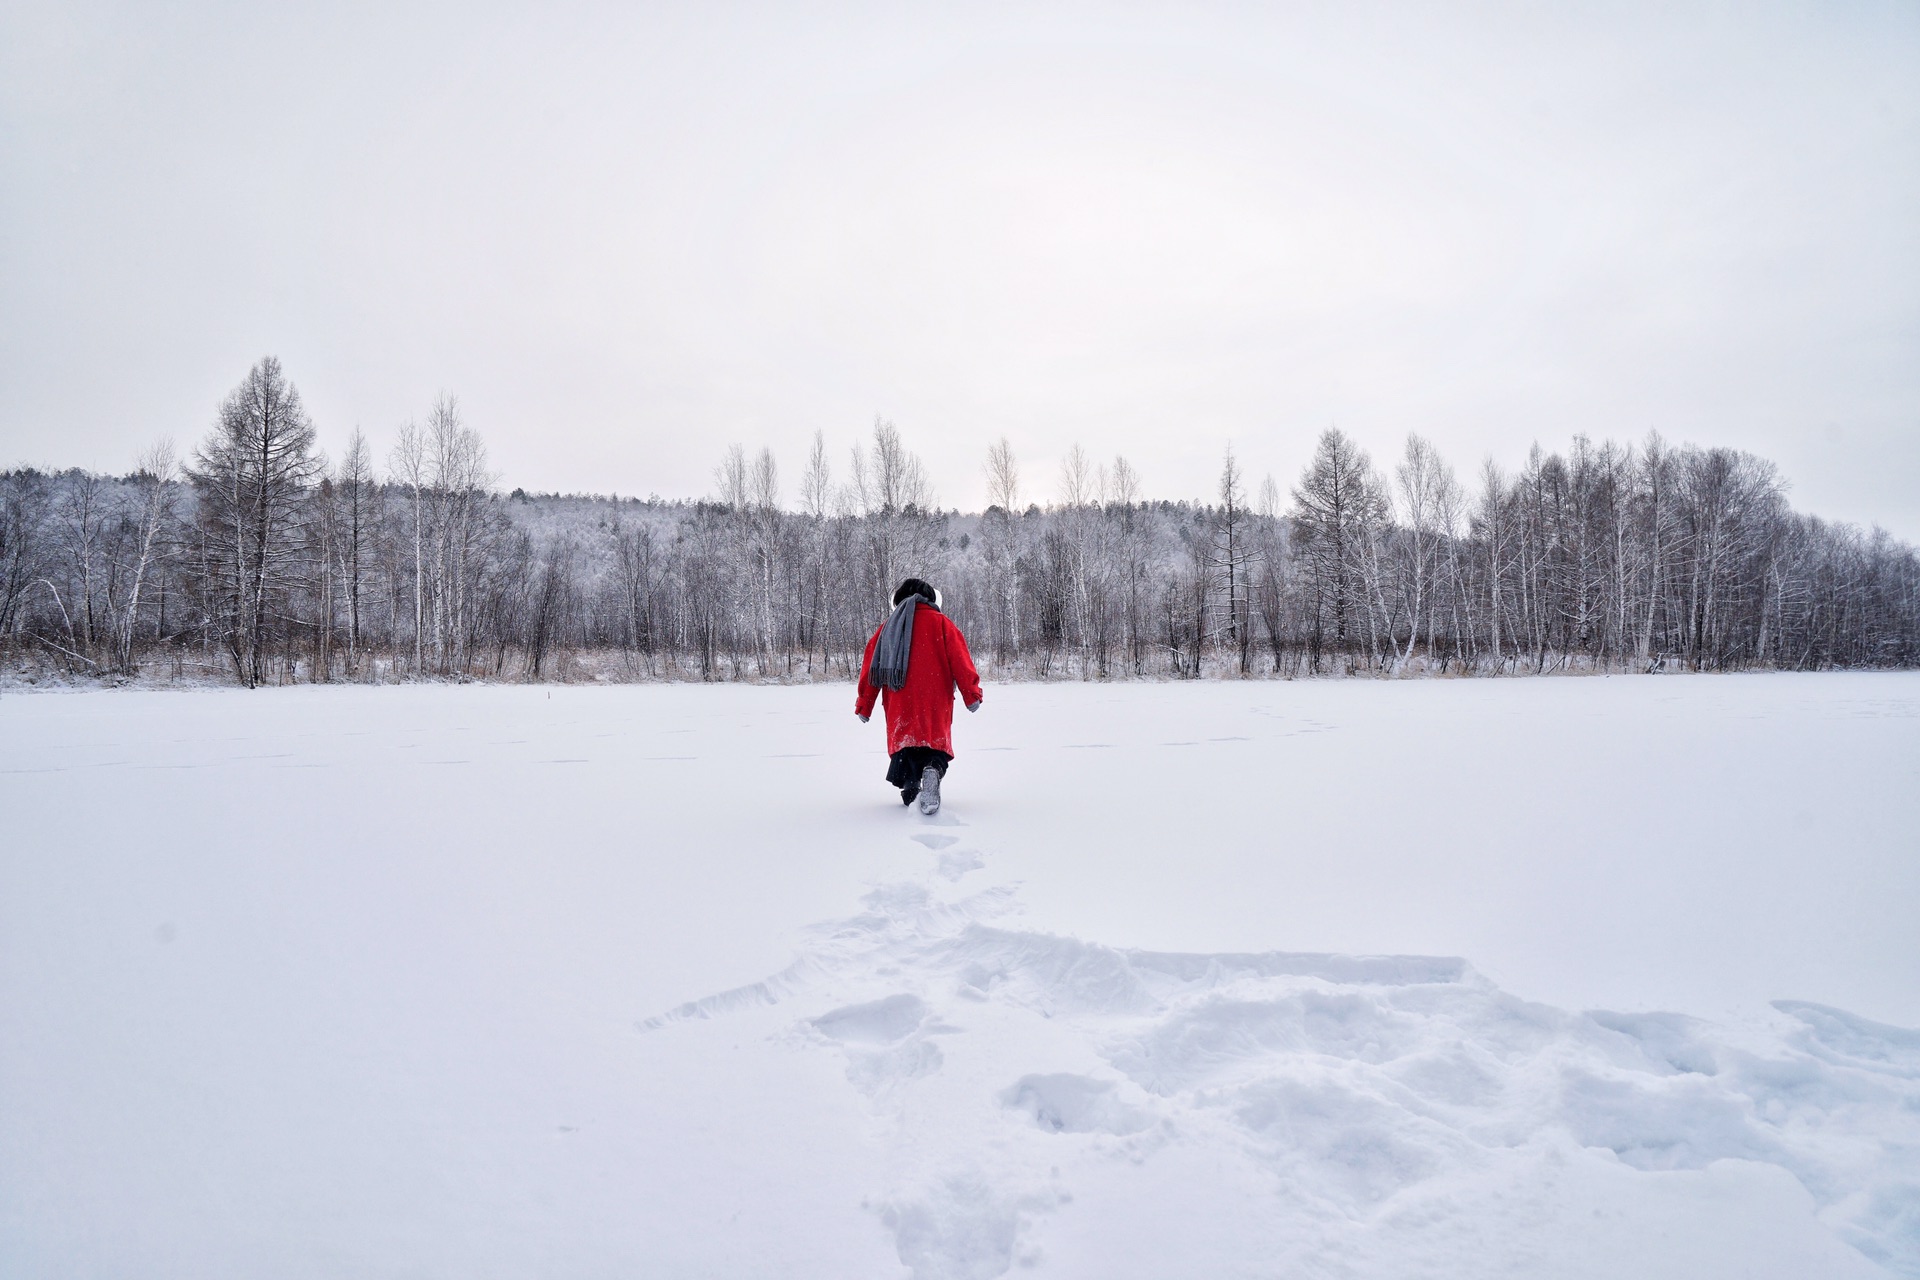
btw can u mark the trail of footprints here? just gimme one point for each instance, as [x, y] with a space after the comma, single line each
[951, 863]
[1345, 1081]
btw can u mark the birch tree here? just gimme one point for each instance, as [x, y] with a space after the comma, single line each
[158, 470]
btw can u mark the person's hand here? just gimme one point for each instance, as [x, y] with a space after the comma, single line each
[863, 719]
[975, 704]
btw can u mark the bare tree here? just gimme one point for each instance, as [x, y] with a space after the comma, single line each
[638, 559]
[1273, 590]
[159, 469]
[552, 600]
[1337, 505]
[1233, 556]
[1003, 552]
[1079, 493]
[894, 495]
[816, 505]
[1123, 497]
[1492, 523]
[1425, 485]
[354, 491]
[765, 524]
[409, 466]
[251, 475]
[461, 482]
[23, 515]
[83, 515]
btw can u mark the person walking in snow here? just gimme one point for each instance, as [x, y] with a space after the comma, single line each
[914, 662]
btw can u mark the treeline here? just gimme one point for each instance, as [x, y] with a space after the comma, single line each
[258, 558]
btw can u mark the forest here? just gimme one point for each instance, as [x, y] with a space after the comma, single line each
[257, 559]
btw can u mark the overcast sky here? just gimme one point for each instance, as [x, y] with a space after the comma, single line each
[628, 236]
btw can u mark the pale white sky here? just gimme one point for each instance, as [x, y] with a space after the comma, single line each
[629, 235]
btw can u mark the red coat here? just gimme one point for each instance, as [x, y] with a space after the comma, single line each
[920, 713]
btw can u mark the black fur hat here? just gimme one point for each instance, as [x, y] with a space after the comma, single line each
[915, 587]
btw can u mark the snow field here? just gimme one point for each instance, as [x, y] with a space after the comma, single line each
[464, 981]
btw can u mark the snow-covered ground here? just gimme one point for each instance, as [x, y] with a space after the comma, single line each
[660, 981]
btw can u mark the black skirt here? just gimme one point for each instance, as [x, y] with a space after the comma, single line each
[905, 766]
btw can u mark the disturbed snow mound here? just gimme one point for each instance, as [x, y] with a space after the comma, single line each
[1378, 1110]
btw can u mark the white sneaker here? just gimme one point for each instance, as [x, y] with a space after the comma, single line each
[929, 791]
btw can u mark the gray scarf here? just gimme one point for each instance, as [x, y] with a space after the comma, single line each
[888, 670]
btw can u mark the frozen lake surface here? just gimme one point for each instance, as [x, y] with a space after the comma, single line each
[1562, 977]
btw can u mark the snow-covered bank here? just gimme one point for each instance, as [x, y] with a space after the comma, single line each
[495, 981]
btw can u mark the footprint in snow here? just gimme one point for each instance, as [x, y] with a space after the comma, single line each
[877, 1022]
[1351, 1079]
[1073, 1104]
[885, 1040]
[963, 1227]
[955, 863]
